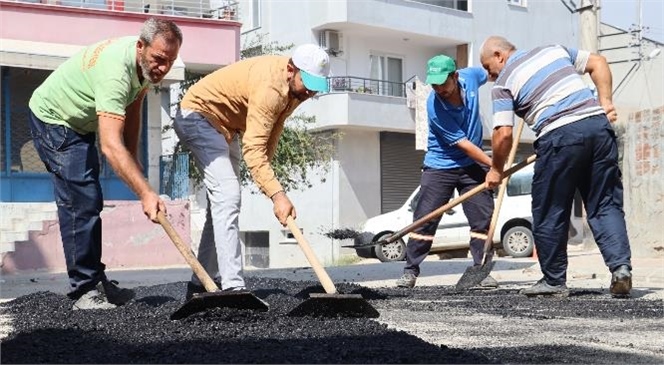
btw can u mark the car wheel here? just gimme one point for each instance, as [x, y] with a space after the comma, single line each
[395, 251]
[518, 242]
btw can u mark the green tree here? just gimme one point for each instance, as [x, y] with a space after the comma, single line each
[300, 153]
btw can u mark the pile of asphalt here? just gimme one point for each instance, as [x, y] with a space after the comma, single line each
[46, 330]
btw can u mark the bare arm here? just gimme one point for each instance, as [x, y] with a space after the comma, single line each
[501, 143]
[111, 132]
[600, 73]
[132, 129]
[474, 152]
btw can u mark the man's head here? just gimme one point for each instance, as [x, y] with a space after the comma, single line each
[157, 48]
[442, 76]
[494, 54]
[308, 70]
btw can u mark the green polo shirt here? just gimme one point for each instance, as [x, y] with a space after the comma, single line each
[100, 79]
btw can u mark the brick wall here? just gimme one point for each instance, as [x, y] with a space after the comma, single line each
[642, 158]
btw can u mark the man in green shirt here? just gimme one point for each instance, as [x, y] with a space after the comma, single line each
[98, 90]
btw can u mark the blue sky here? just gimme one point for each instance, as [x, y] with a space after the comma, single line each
[624, 13]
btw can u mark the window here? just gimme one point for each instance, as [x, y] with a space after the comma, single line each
[521, 183]
[387, 75]
[517, 2]
[453, 4]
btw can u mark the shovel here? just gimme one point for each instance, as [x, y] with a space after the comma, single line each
[441, 210]
[331, 303]
[214, 298]
[474, 275]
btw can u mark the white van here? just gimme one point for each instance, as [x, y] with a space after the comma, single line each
[513, 230]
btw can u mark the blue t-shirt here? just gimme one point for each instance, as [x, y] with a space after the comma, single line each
[449, 125]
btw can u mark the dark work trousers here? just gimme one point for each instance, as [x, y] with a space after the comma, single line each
[436, 189]
[73, 161]
[582, 155]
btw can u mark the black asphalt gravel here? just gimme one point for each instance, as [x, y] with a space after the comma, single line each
[46, 330]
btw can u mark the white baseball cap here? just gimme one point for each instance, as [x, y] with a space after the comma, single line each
[314, 65]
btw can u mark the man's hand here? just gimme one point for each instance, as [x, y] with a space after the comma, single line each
[610, 111]
[493, 179]
[151, 205]
[283, 207]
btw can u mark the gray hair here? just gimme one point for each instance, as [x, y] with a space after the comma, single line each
[496, 43]
[154, 27]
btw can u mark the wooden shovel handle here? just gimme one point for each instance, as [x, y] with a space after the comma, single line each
[453, 203]
[322, 275]
[501, 191]
[188, 255]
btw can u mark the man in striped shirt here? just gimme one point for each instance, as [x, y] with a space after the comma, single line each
[576, 149]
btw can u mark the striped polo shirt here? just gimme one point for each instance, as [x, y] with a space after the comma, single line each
[544, 87]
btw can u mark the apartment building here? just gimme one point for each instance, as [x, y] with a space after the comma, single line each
[377, 49]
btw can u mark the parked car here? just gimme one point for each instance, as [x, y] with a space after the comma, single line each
[513, 231]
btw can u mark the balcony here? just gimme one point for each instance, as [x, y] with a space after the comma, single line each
[369, 104]
[211, 32]
[366, 86]
[423, 22]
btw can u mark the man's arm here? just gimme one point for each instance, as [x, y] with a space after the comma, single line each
[501, 143]
[600, 73]
[111, 132]
[132, 128]
[474, 152]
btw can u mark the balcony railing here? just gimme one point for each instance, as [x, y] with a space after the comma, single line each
[341, 84]
[208, 9]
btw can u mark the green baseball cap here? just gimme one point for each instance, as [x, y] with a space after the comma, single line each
[438, 68]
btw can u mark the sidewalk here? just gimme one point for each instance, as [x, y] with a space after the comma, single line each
[586, 270]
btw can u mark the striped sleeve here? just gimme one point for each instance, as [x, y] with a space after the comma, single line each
[503, 107]
[579, 59]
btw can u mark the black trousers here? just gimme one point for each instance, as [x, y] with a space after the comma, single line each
[437, 187]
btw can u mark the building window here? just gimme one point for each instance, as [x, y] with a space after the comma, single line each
[387, 75]
[453, 4]
[257, 248]
[517, 2]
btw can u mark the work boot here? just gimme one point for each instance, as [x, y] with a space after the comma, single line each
[114, 293]
[621, 282]
[197, 289]
[544, 288]
[407, 280]
[94, 299]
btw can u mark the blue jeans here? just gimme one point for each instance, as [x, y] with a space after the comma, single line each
[582, 155]
[73, 161]
[436, 189]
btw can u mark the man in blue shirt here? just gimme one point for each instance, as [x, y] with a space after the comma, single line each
[454, 160]
[576, 149]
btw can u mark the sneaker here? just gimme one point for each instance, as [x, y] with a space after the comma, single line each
[407, 280]
[197, 289]
[114, 293]
[621, 282]
[544, 288]
[94, 299]
[488, 283]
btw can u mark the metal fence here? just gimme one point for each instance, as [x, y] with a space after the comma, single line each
[362, 85]
[174, 175]
[210, 9]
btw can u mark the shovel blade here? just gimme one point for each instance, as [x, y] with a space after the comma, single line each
[474, 275]
[232, 299]
[335, 305]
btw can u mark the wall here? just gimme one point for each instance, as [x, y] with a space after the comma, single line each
[129, 240]
[642, 150]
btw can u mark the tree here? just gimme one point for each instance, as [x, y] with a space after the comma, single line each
[300, 152]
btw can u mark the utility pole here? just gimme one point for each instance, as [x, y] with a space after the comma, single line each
[589, 24]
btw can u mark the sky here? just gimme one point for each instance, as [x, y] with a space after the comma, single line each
[624, 14]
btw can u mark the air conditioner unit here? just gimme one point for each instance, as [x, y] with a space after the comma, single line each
[330, 41]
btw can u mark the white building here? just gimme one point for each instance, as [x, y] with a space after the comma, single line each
[377, 47]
